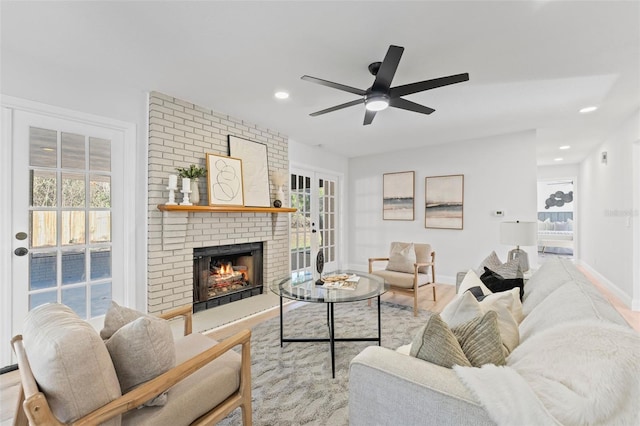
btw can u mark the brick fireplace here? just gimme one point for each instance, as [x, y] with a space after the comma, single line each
[180, 134]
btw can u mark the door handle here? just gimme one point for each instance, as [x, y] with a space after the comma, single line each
[21, 251]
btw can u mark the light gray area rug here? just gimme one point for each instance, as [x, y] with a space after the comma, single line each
[292, 385]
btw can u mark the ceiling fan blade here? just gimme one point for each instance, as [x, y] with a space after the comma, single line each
[420, 86]
[410, 106]
[337, 107]
[338, 86]
[387, 70]
[368, 117]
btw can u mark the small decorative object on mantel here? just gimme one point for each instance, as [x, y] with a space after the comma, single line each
[279, 179]
[193, 172]
[186, 190]
[173, 187]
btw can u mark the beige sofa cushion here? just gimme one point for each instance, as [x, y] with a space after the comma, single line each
[70, 362]
[401, 279]
[142, 350]
[196, 394]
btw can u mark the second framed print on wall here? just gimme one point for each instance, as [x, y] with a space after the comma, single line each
[398, 195]
[444, 200]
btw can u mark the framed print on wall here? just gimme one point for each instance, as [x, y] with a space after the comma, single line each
[224, 179]
[255, 170]
[398, 195]
[444, 200]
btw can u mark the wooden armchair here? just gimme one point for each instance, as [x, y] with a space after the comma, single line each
[407, 269]
[198, 360]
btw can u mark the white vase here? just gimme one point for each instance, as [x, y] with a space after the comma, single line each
[195, 192]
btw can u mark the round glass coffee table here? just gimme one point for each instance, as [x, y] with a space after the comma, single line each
[359, 286]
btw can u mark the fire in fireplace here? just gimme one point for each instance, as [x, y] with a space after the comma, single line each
[224, 274]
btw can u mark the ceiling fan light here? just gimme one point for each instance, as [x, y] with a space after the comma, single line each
[377, 102]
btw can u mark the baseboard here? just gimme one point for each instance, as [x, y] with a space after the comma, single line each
[622, 296]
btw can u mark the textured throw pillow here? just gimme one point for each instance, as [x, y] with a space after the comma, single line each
[402, 258]
[435, 343]
[472, 280]
[497, 283]
[509, 270]
[116, 317]
[141, 351]
[480, 340]
[69, 362]
[492, 262]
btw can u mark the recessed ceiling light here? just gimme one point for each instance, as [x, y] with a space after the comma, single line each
[281, 95]
[565, 147]
[558, 159]
[588, 109]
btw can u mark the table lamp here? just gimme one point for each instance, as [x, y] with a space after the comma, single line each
[519, 234]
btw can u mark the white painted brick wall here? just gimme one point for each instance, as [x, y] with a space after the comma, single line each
[180, 134]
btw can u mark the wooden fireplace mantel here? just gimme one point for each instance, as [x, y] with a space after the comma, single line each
[224, 209]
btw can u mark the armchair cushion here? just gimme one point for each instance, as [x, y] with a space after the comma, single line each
[401, 279]
[402, 258]
[196, 394]
[116, 317]
[69, 362]
[142, 350]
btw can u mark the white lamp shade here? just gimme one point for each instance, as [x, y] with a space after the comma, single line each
[518, 233]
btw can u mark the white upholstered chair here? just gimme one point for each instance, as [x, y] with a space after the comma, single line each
[408, 267]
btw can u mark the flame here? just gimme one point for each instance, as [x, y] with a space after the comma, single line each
[226, 269]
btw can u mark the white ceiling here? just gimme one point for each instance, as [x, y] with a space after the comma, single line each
[532, 64]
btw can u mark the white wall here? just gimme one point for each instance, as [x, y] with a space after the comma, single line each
[499, 174]
[607, 212]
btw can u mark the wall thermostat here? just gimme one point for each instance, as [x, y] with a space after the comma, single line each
[498, 213]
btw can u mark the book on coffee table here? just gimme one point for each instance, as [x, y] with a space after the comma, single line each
[342, 282]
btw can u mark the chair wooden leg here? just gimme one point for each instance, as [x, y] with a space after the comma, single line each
[415, 303]
[434, 292]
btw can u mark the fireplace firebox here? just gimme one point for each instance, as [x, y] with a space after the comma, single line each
[224, 274]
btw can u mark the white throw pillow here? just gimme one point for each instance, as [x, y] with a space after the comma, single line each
[402, 258]
[465, 307]
[472, 280]
[462, 309]
[509, 299]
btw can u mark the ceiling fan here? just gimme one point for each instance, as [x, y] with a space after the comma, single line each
[381, 95]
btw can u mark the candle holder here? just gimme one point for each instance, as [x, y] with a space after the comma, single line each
[172, 196]
[185, 197]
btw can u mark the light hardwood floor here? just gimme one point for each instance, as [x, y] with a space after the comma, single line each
[9, 382]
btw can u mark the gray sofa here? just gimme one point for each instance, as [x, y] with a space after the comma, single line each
[390, 388]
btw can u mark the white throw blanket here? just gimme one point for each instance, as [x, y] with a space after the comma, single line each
[579, 373]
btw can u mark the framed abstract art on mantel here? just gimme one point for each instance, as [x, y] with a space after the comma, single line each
[224, 178]
[255, 170]
[398, 195]
[444, 201]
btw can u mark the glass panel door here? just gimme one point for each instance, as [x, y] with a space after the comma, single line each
[66, 248]
[70, 221]
[316, 198]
